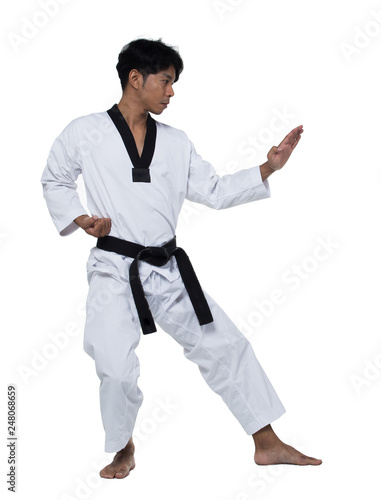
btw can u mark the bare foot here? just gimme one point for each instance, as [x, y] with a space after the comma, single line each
[270, 450]
[122, 463]
[283, 454]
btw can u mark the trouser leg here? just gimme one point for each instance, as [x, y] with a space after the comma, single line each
[224, 356]
[111, 335]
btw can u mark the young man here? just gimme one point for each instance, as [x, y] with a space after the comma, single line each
[137, 173]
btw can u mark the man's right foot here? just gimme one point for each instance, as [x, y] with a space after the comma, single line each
[122, 463]
[270, 450]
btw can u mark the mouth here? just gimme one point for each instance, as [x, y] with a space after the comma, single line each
[164, 104]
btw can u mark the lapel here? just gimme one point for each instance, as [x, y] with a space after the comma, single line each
[140, 171]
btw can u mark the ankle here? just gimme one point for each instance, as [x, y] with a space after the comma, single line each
[265, 438]
[130, 446]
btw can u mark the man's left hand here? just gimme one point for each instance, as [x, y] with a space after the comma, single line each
[278, 156]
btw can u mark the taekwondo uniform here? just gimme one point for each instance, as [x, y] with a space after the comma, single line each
[143, 197]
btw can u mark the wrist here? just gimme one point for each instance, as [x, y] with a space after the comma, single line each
[266, 170]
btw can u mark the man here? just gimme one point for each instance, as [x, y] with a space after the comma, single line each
[137, 173]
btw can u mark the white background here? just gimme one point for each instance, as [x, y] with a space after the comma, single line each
[321, 346]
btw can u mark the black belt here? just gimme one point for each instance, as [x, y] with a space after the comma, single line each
[158, 256]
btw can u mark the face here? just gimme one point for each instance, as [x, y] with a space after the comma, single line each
[157, 90]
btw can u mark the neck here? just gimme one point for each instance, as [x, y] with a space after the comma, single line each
[133, 112]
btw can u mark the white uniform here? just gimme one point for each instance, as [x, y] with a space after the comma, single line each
[147, 213]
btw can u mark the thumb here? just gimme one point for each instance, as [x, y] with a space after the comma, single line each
[89, 221]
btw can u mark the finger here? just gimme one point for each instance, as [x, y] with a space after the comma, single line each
[289, 148]
[272, 152]
[94, 230]
[298, 129]
[105, 228]
[294, 134]
[291, 136]
[101, 228]
[295, 143]
[89, 221]
[288, 143]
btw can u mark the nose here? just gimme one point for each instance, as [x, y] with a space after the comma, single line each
[170, 91]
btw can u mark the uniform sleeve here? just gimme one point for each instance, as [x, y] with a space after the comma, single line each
[206, 187]
[59, 186]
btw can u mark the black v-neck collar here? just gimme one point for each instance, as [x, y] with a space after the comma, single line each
[140, 172]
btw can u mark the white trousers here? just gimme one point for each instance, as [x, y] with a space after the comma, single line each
[223, 354]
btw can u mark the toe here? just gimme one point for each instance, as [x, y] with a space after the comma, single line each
[106, 475]
[311, 460]
[121, 473]
[107, 472]
[316, 461]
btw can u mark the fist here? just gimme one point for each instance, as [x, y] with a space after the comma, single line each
[94, 225]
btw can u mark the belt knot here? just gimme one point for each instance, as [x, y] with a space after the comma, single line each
[156, 256]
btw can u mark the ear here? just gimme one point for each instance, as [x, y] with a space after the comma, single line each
[135, 79]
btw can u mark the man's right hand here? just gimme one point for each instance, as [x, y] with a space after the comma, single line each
[93, 225]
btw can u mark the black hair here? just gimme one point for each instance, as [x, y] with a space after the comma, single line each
[148, 57]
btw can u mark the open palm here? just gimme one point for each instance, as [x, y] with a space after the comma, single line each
[278, 155]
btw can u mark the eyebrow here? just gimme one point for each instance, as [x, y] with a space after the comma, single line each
[168, 76]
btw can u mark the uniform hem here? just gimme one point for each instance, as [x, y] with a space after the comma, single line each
[257, 424]
[115, 446]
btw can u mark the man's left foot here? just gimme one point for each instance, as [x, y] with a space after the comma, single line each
[283, 454]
